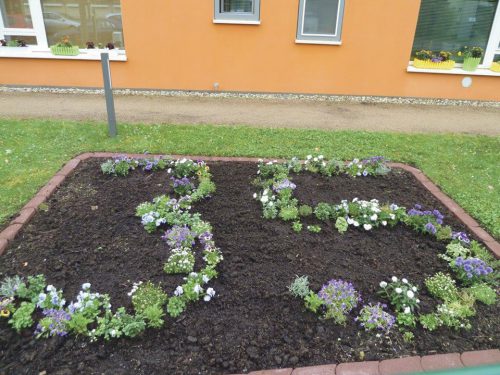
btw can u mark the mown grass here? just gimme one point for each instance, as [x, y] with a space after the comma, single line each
[466, 167]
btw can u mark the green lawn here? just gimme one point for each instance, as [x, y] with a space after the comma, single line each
[465, 167]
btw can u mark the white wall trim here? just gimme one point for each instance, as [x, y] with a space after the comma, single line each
[456, 71]
[236, 22]
[329, 43]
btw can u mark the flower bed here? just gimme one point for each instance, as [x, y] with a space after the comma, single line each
[89, 232]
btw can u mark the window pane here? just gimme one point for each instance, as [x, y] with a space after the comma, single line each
[236, 6]
[450, 25]
[16, 40]
[16, 14]
[320, 16]
[98, 21]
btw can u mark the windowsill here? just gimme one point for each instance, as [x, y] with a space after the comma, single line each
[325, 42]
[237, 22]
[85, 54]
[458, 71]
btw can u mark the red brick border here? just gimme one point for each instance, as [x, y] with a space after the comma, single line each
[385, 367]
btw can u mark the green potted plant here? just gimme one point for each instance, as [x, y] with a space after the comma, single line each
[65, 48]
[425, 59]
[472, 57]
[13, 43]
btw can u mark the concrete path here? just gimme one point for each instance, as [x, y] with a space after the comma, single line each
[255, 112]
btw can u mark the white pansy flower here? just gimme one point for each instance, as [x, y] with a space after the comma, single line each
[398, 290]
[86, 286]
[178, 291]
[405, 281]
[355, 223]
[383, 284]
[197, 289]
[207, 298]
[211, 292]
[414, 288]
[205, 279]
[394, 279]
[350, 221]
[367, 226]
[410, 294]
[407, 310]
[392, 216]
[384, 223]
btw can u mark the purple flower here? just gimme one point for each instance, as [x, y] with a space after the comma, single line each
[285, 184]
[429, 227]
[472, 267]
[339, 295]
[374, 317]
[178, 237]
[55, 323]
[461, 236]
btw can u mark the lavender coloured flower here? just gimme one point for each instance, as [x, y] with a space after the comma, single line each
[461, 236]
[340, 294]
[179, 236]
[56, 320]
[373, 317]
[473, 267]
[285, 184]
[429, 227]
[184, 181]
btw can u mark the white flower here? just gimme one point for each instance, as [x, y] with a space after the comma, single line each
[320, 156]
[51, 288]
[309, 157]
[206, 279]
[410, 294]
[265, 191]
[392, 216]
[414, 288]
[394, 279]
[367, 226]
[373, 217]
[398, 290]
[169, 170]
[417, 300]
[85, 286]
[407, 310]
[197, 289]
[264, 199]
[112, 333]
[207, 298]
[355, 223]
[254, 195]
[384, 223]
[211, 292]
[350, 221]
[383, 284]
[178, 291]
[404, 281]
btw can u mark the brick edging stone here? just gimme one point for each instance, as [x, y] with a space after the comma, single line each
[385, 367]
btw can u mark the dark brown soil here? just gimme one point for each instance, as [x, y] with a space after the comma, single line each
[90, 234]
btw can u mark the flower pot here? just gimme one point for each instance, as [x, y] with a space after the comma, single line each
[429, 64]
[495, 67]
[471, 63]
[65, 51]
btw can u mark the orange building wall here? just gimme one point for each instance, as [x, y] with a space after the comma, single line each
[173, 44]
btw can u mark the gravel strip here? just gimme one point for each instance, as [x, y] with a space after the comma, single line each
[259, 96]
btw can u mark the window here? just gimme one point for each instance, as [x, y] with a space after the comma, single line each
[320, 21]
[450, 25]
[42, 23]
[237, 11]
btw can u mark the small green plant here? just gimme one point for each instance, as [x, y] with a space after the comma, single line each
[406, 320]
[176, 306]
[481, 252]
[341, 225]
[22, 316]
[154, 316]
[373, 317]
[483, 293]
[323, 211]
[10, 285]
[32, 289]
[297, 226]
[408, 336]
[146, 295]
[288, 213]
[430, 321]
[313, 302]
[443, 233]
[300, 287]
[453, 251]
[305, 210]
[442, 286]
[314, 228]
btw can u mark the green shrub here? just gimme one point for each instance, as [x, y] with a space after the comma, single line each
[442, 286]
[483, 293]
[300, 287]
[305, 210]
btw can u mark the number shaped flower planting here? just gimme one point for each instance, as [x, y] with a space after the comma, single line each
[473, 266]
[90, 314]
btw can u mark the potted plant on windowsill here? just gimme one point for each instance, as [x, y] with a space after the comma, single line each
[472, 57]
[429, 60]
[65, 48]
[13, 43]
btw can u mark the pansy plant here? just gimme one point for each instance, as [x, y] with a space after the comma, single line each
[401, 294]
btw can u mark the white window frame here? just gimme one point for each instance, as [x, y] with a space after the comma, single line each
[41, 50]
[492, 49]
[332, 39]
[242, 18]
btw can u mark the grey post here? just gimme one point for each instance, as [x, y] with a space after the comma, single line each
[108, 92]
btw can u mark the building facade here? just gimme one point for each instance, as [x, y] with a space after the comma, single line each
[339, 47]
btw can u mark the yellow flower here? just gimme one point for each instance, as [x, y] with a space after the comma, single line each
[459, 53]
[4, 313]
